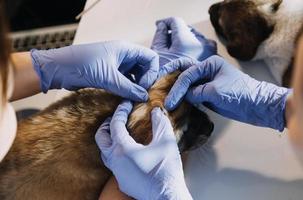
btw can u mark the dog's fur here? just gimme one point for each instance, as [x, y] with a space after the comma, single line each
[55, 156]
[260, 30]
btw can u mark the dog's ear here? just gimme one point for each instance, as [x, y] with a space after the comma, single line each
[276, 5]
[271, 7]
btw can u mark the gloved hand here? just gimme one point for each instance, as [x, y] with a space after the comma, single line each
[143, 172]
[99, 65]
[174, 39]
[231, 93]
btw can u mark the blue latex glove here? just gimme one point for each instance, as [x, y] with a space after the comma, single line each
[231, 93]
[99, 65]
[174, 39]
[143, 172]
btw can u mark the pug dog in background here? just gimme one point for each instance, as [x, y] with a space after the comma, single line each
[260, 30]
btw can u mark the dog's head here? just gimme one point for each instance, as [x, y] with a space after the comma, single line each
[244, 24]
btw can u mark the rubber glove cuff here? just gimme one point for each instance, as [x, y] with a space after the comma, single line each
[51, 74]
[280, 112]
[44, 85]
[269, 111]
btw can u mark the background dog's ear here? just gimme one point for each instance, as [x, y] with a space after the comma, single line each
[242, 50]
[276, 6]
[271, 7]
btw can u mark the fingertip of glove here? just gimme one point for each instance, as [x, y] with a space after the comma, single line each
[162, 73]
[126, 105]
[158, 115]
[99, 136]
[164, 20]
[139, 94]
[171, 20]
[190, 97]
[103, 141]
[144, 97]
[107, 121]
[158, 22]
[168, 104]
[161, 25]
[212, 43]
[104, 126]
[148, 79]
[197, 33]
[156, 111]
[176, 19]
[121, 113]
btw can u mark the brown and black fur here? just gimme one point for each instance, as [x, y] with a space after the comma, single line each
[55, 156]
[242, 26]
[286, 79]
[260, 30]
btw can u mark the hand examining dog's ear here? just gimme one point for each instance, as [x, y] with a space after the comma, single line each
[231, 93]
[175, 39]
[143, 171]
[106, 65]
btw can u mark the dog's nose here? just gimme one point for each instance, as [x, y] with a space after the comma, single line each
[214, 9]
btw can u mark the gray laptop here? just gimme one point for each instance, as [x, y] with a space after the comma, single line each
[42, 24]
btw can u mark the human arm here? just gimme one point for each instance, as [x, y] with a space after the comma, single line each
[111, 191]
[175, 39]
[26, 80]
[231, 93]
[295, 104]
[106, 65]
[143, 172]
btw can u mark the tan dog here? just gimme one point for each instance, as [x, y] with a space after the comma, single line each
[55, 156]
[260, 30]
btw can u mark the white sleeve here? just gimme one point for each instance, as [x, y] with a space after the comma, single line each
[8, 122]
[8, 129]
